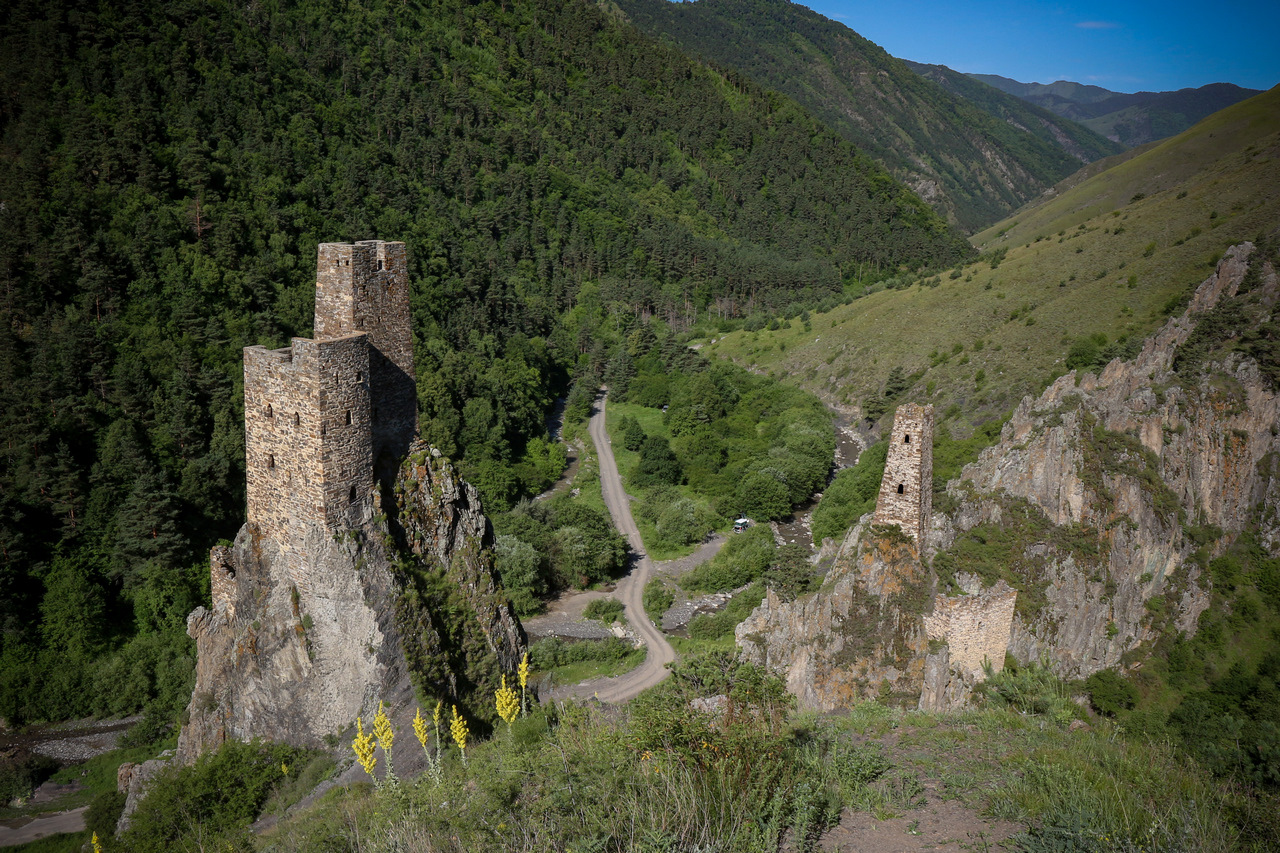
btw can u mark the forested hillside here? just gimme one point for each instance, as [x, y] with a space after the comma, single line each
[974, 162]
[167, 172]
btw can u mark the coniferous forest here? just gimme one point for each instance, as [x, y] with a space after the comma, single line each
[168, 170]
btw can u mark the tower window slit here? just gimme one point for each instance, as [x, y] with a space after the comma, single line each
[906, 439]
[348, 417]
[900, 488]
[271, 460]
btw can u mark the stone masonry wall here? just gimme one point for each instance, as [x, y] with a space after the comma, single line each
[346, 456]
[364, 287]
[282, 428]
[307, 439]
[975, 627]
[906, 491]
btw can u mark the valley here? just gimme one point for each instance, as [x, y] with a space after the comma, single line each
[481, 426]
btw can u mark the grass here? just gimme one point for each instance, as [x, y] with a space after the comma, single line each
[1097, 259]
[572, 673]
[651, 420]
[551, 780]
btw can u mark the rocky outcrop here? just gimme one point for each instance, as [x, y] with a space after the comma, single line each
[438, 524]
[859, 637]
[1136, 459]
[1088, 525]
[405, 600]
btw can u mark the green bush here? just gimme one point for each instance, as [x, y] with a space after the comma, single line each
[850, 495]
[220, 795]
[1109, 693]
[552, 652]
[21, 774]
[744, 558]
[103, 813]
[606, 610]
[713, 626]
[657, 599]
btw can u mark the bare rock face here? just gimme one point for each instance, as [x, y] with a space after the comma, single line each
[1128, 461]
[440, 525]
[395, 603]
[859, 637]
[1100, 492]
[288, 663]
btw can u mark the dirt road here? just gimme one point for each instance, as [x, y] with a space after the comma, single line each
[631, 588]
[43, 827]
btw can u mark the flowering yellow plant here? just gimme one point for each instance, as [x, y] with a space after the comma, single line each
[458, 728]
[386, 736]
[423, 734]
[508, 704]
[363, 746]
[523, 672]
[420, 728]
[97, 845]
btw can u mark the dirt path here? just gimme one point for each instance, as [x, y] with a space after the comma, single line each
[631, 588]
[43, 827]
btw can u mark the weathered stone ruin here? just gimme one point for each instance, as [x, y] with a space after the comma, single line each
[328, 601]
[1094, 485]
[906, 490]
[868, 633]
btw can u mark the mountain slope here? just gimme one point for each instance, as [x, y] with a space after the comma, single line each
[971, 164]
[167, 169]
[1076, 279]
[1130, 119]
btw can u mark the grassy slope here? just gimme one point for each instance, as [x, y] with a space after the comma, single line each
[1067, 273]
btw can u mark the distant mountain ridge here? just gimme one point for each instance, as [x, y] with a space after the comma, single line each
[1130, 119]
[974, 159]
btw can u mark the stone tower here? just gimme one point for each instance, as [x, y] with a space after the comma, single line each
[906, 492]
[319, 414]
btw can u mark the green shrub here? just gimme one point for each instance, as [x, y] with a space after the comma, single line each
[552, 652]
[217, 796]
[657, 599]
[713, 626]
[606, 610]
[1109, 693]
[104, 812]
[744, 558]
[850, 495]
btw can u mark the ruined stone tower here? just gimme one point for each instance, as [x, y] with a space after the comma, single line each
[906, 492]
[320, 413]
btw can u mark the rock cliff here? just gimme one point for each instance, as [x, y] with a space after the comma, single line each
[860, 636]
[1080, 537]
[407, 599]
[1136, 468]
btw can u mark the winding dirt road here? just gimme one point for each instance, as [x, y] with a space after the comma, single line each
[631, 588]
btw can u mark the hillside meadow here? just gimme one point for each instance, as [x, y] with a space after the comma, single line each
[1107, 259]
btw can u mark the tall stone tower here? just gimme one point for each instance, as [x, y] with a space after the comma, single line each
[906, 492]
[319, 414]
[364, 288]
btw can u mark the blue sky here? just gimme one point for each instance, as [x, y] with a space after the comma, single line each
[1126, 47]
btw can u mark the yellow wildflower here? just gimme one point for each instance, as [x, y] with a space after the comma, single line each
[363, 746]
[284, 768]
[458, 728]
[523, 672]
[97, 845]
[420, 728]
[386, 736]
[507, 703]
